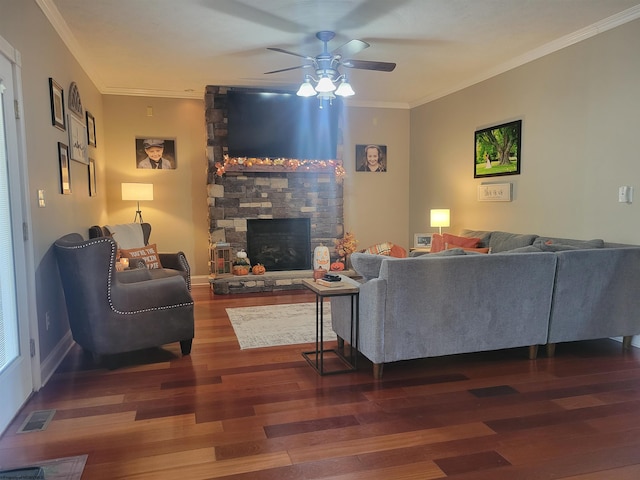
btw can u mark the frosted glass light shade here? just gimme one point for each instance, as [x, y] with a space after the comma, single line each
[306, 90]
[325, 85]
[344, 89]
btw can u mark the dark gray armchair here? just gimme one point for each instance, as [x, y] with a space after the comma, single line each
[170, 261]
[115, 312]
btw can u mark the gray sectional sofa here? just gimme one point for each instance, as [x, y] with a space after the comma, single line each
[528, 291]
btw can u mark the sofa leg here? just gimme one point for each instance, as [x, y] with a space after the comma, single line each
[551, 349]
[340, 343]
[377, 370]
[185, 346]
[533, 352]
[626, 342]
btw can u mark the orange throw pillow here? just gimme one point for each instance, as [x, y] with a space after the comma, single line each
[149, 254]
[437, 243]
[468, 242]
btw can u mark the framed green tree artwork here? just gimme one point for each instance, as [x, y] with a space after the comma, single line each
[497, 150]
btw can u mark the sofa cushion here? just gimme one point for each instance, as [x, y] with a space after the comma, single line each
[527, 249]
[440, 242]
[501, 241]
[483, 235]
[552, 244]
[149, 254]
[468, 249]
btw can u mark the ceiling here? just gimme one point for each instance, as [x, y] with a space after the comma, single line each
[174, 48]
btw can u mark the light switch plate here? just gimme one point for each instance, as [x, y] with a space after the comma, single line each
[41, 202]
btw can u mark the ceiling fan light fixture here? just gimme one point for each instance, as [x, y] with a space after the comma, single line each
[345, 89]
[306, 89]
[325, 85]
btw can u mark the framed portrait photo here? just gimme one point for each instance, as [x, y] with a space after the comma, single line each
[57, 104]
[65, 169]
[156, 153]
[371, 158]
[497, 150]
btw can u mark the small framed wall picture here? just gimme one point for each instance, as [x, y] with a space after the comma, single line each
[422, 240]
[65, 169]
[78, 149]
[57, 104]
[92, 178]
[91, 129]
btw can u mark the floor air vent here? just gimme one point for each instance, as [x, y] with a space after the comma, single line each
[37, 421]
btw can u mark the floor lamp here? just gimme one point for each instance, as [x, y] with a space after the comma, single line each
[137, 192]
[440, 217]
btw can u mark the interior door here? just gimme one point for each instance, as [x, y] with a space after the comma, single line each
[16, 382]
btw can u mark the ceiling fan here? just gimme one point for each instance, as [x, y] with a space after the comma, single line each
[326, 66]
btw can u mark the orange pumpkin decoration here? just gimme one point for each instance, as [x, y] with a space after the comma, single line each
[337, 266]
[241, 269]
[258, 269]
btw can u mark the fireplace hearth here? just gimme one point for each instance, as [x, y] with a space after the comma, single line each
[280, 243]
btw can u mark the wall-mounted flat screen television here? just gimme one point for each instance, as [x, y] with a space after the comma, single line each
[281, 125]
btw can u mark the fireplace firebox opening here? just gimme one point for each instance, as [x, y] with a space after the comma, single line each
[280, 243]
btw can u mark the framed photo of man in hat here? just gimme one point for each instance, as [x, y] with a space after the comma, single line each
[156, 153]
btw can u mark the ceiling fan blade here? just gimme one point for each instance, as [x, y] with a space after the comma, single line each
[350, 48]
[275, 49]
[369, 65]
[287, 69]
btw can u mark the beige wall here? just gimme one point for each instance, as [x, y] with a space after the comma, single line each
[44, 55]
[178, 212]
[580, 142]
[376, 205]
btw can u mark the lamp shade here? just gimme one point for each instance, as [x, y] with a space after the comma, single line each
[440, 217]
[137, 191]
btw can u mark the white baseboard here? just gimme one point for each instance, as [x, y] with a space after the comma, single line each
[54, 359]
[200, 280]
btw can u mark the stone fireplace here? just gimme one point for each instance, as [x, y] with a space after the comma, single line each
[246, 194]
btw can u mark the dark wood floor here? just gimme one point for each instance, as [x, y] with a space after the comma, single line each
[264, 414]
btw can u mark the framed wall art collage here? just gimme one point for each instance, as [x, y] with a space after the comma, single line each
[80, 127]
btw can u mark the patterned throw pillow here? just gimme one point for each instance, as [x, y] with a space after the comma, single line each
[379, 249]
[149, 254]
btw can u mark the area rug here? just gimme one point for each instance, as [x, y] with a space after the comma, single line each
[271, 325]
[67, 468]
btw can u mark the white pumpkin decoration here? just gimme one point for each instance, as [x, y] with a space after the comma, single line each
[321, 258]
